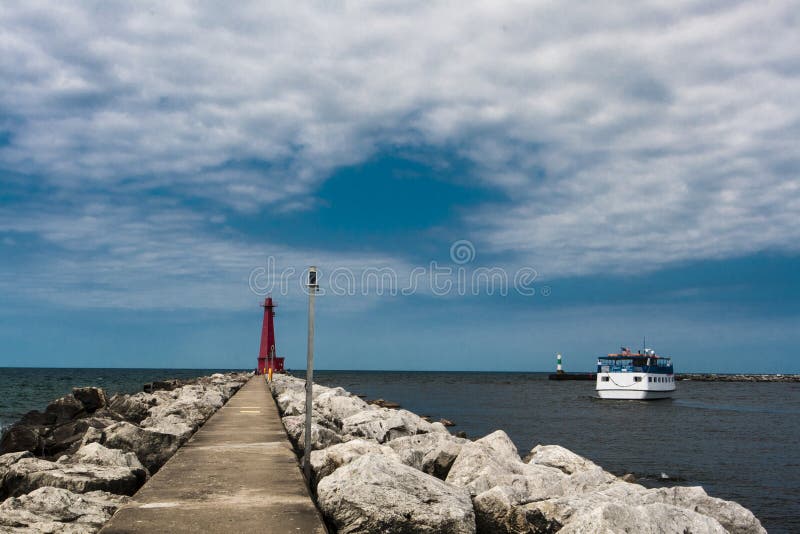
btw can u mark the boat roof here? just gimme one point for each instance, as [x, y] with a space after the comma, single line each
[628, 355]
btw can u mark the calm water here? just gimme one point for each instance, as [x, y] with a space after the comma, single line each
[22, 390]
[738, 440]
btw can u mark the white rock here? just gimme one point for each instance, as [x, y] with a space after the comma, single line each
[152, 448]
[94, 453]
[643, 519]
[29, 474]
[560, 458]
[51, 509]
[432, 453]
[734, 517]
[321, 437]
[326, 461]
[377, 494]
[493, 461]
[171, 424]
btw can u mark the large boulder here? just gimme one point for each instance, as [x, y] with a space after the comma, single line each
[734, 517]
[65, 409]
[326, 461]
[384, 424]
[29, 474]
[6, 461]
[51, 509]
[133, 408]
[560, 458]
[337, 405]
[19, 437]
[493, 461]
[152, 448]
[642, 519]
[321, 437]
[37, 418]
[91, 398]
[171, 424]
[499, 510]
[94, 453]
[378, 494]
[576, 510]
[193, 404]
[69, 434]
[432, 453]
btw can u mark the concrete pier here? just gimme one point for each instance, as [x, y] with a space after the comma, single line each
[238, 473]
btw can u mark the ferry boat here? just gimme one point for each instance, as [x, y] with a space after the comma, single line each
[635, 375]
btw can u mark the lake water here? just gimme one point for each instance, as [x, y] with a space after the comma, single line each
[738, 440]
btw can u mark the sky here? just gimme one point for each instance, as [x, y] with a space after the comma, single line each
[482, 185]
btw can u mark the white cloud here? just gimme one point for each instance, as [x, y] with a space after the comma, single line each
[627, 137]
[107, 255]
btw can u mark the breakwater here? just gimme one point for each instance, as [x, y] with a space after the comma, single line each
[71, 466]
[378, 469]
[714, 377]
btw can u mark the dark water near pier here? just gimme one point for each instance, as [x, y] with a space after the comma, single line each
[25, 389]
[738, 440]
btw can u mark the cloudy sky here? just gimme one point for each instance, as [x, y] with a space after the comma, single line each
[634, 168]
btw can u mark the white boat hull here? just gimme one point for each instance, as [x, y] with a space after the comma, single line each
[616, 394]
[634, 386]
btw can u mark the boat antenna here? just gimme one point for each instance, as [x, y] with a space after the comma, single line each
[644, 343]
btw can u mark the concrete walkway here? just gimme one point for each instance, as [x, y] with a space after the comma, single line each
[237, 474]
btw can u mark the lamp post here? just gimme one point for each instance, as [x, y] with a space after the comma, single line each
[312, 290]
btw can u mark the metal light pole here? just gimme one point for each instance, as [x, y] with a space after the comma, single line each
[312, 290]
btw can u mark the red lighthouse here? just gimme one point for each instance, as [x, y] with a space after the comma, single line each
[267, 358]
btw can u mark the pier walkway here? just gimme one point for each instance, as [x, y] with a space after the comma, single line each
[236, 474]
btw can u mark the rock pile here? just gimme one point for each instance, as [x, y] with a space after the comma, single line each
[68, 469]
[713, 377]
[382, 470]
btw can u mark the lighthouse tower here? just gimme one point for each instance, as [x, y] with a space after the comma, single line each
[266, 354]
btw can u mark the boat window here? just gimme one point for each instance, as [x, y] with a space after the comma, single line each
[604, 379]
[649, 378]
[637, 378]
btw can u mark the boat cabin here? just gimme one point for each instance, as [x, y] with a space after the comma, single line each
[646, 361]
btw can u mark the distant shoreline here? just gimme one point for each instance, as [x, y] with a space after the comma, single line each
[698, 376]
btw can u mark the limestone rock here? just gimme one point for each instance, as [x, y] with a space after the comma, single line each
[377, 494]
[560, 458]
[133, 408]
[65, 409]
[171, 424]
[21, 437]
[37, 418]
[91, 398]
[152, 448]
[432, 453]
[734, 517]
[337, 405]
[29, 474]
[64, 436]
[643, 519]
[384, 424]
[493, 461]
[94, 453]
[51, 509]
[321, 437]
[326, 461]
[499, 510]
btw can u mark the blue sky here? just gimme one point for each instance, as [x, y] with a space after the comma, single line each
[638, 164]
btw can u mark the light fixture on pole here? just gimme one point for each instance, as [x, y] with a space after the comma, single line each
[312, 291]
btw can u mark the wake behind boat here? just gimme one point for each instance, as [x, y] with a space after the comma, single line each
[635, 375]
